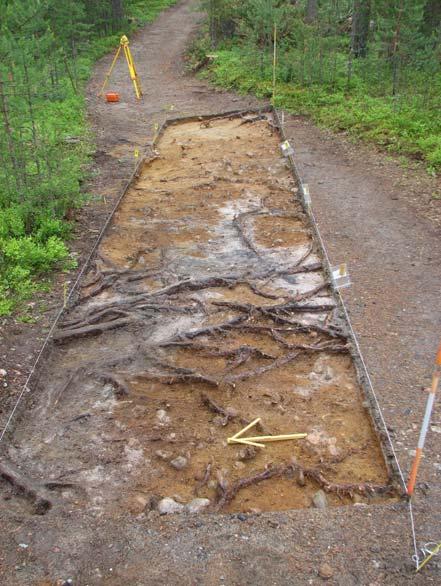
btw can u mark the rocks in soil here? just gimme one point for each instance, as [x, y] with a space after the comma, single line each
[162, 455]
[320, 500]
[325, 571]
[138, 503]
[162, 417]
[239, 465]
[300, 478]
[322, 373]
[197, 505]
[179, 463]
[321, 442]
[169, 506]
[247, 453]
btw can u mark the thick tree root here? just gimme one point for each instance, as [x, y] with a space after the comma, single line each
[33, 492]
[64, 335]
[227, 493]
[119, 384]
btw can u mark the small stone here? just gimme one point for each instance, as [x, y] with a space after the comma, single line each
[239, 465]
[220, 421]
[231, 412]
[153, 502]
[179, 463]
[319, 500]
[162, 455]
[137, 504]
[162, 417]
[168, 506]
[197, 505]
[328, 373]
[300, 478]
[325, 571]
[3, 373]
[247, 453]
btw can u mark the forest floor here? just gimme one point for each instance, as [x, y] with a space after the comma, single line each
[102, 458]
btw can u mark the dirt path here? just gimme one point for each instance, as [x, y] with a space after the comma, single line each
[361, 544]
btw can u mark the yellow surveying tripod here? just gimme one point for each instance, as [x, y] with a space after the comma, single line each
[124, 45]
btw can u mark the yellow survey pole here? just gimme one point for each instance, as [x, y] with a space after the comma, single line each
[124, 45]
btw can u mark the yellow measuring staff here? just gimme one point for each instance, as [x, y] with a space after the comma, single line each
[253, 441]
[124, 45]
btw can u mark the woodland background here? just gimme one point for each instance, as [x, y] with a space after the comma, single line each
[369, 67]
[47, 49]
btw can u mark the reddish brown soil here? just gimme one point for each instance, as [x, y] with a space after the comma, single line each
[363, 545]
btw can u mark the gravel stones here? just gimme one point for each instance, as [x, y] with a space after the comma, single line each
[179, 463]
[169, 506]
[197, 505]
[319, 500]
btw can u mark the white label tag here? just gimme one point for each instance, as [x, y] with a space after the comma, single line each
[286, 149]
[340, 276]
[306, 194]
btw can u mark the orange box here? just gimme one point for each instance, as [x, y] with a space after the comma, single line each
[112, 97]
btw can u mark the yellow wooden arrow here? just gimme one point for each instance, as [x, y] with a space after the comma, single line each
[253, 441]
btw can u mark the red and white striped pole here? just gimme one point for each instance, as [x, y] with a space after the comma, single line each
[425, 425]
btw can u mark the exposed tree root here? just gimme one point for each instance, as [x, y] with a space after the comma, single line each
[204, 480]
[33, 492]
[72, 377]
[345, 489]
[209, 330]
[117, 381]
[233, 378]
[227, 414]
[69, 334]
[230, 414]
[227, 493]
[178, 375]
[238, 222]
[253, 119]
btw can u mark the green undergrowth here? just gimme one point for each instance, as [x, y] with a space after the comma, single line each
[51, 145]
[396, 125]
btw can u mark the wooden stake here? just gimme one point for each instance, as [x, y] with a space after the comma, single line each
[274, 61]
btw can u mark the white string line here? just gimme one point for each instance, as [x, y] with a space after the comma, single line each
[357, 344]
[59, 314]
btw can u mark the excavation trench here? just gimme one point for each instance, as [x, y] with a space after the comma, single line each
[206, 307]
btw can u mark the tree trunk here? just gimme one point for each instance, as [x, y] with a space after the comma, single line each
[432, 16]
[117, 12]
[311, 10]
[360, 27]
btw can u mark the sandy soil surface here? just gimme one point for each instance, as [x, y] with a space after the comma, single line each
[393, 250]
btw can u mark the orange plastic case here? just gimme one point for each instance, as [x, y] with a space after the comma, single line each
[112, 97]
